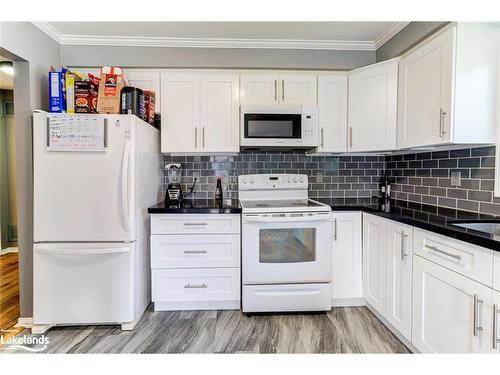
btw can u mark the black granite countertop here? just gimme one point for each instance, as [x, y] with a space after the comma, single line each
[198, 206]
[432, 218]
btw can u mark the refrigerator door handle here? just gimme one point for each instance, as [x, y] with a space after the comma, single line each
[100, 251]
[124, 195]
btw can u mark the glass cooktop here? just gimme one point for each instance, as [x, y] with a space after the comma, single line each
[282, 203]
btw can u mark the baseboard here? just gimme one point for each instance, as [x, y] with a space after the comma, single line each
[203, 305]
[348, 302]
[391, 328]
[8, 250]
[24, 322]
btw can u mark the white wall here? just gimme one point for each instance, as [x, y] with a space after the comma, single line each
[32, 52]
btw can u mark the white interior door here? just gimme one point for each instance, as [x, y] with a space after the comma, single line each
[425, 93]
[332, 107]
[85, 196]
[180, 120]
[220, 112]
[259, 88]
[347, 256]
[374, 261]
[83, 283]
[298, 89]
[451, 313]
[373, 106]
[399, 276]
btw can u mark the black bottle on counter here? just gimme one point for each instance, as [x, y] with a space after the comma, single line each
[385, 190]
[218, 192]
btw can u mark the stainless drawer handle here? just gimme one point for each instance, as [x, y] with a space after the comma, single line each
[195, 252]
[195, 224]
[476, 328]
[496, 340]
[335, 229]
[434, 248]
[196, 286]
[403, 236]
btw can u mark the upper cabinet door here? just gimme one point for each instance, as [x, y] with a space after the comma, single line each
[425, 92]
[146, 80]
[372, 107]
[219, 112]
[298, 89]
[332, 104]
[180, 119]
[259, 88]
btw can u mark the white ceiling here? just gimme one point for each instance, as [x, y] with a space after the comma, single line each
[301, 35]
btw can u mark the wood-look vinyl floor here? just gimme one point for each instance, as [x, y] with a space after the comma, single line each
[341, 330]
[9, 295]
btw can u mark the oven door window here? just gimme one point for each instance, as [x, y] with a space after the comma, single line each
[272, 125]
[287, 245]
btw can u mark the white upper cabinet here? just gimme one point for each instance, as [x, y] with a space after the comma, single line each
[220, 112]
[145, 80]
[372, 107]
[447, 88]
[180, 116]
[200, 112]
[332, 106]
[278, 88]
[399, 276]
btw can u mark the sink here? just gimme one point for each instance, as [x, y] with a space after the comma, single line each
[490, 227]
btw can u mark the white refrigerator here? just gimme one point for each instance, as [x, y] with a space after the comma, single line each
[91, 226]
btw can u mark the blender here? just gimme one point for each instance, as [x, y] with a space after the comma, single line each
[173, 195]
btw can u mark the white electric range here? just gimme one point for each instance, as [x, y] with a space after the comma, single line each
[286, 245]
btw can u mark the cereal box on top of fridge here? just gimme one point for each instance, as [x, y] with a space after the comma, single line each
[112, 81]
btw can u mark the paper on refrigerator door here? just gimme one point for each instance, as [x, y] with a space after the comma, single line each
[76, 133]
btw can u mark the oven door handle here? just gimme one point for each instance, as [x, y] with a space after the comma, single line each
[286, 219]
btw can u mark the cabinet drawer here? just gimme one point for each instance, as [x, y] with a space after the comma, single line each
[196, 285]
[215, 250]
[189, 223]
[469, 260]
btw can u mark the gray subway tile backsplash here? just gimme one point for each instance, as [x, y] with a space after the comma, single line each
[423, 177]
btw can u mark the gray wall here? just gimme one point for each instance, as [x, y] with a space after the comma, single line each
[32, 52]
[413, 33]
[157, 57]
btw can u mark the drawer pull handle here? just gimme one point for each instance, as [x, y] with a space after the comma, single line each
[195, 252]
[434, 248]
[496, 340]
[476, 327]
[403, 236]
[195, 224]
[196, 286]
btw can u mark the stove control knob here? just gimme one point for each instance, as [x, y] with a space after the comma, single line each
[295, 180]
[289, 180]
[244, 181]
[301, 179]
[251, 180]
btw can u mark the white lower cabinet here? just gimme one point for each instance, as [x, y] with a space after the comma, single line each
[495, 329]
[399, 276]
[451, 313]
[195, 261]
[347, 286]
[374, 261]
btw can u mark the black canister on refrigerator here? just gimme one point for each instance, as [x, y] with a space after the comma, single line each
[132, 102]
[385, 190]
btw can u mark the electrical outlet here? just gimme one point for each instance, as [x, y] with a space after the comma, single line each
[196, 175]
[455, 178]
[319, 177]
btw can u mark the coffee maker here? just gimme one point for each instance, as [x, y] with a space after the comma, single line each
[173, 195]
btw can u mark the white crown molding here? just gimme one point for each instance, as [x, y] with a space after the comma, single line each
[385, 36]
[50, 30]
[131, 41]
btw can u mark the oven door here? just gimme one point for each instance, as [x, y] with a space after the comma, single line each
[287, 248]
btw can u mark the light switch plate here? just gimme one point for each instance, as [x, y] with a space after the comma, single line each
[319, 177]
[455, 178]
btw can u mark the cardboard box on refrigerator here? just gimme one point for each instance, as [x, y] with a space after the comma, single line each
[110, 86]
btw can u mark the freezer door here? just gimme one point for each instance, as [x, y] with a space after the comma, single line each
[83, 283]
[85, 196]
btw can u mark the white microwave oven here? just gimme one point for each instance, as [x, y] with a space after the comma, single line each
[279, 126]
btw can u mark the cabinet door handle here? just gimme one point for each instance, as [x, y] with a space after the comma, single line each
[442, 131]
[196, 137]
[275, 90]
[403, 235]
[434, 248]
[195, 252]
[203, 137]
[335, 229]
[283, 89]
[322, 137]
[195, 286]
[476, 327]
[350, 136]
[496, 340]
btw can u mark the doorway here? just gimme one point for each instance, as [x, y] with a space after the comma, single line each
[9, 261]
